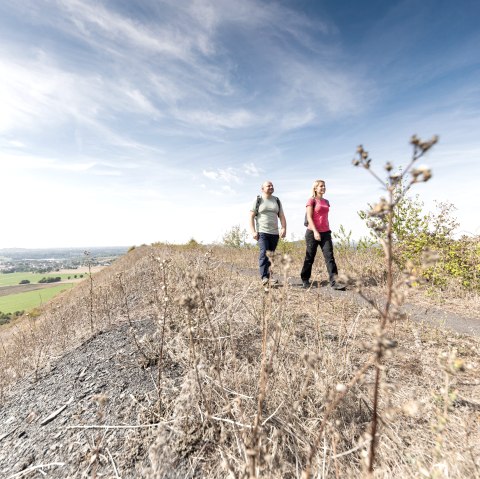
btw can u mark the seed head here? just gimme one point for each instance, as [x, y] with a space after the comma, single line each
[426, 145]
[380, 209]
[411, 408]
[422, 173]
[341, 388]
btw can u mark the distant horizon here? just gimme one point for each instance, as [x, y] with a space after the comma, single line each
[65, 247]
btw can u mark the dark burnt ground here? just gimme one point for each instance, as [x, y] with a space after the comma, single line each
[102, 382]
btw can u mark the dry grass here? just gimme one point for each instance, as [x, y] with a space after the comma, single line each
[270, 385]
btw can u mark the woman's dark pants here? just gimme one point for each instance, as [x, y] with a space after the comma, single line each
[326, 245]
[266, 242]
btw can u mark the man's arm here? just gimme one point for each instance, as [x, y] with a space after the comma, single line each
[252, 225]
[283, 222]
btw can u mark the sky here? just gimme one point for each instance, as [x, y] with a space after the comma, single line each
[124, 122]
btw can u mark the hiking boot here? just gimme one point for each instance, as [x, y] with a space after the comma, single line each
[306, 284]
[338, 286]
[265, 281]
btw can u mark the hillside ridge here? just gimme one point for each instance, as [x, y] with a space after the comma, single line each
[167, 385]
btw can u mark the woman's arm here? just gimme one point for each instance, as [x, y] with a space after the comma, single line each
[311, 224]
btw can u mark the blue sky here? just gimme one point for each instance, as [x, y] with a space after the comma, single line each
[127, 122]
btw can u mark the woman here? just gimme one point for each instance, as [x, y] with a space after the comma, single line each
[318, 234]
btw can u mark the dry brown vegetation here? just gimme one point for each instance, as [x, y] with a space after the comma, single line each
[246, 384]
[174, 362]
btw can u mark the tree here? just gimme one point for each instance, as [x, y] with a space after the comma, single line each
[192, 243]
[236, 237]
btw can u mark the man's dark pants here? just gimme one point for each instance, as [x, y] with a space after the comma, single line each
[326, 245]
[266, 242]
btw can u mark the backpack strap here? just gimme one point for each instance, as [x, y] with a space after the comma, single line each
[279, 205]
[257, 205]
[259, 199]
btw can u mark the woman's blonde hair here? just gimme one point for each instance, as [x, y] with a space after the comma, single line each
[315, 184]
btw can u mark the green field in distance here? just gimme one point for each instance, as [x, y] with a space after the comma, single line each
[31, 299]
[10, 279]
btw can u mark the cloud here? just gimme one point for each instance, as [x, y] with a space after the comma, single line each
[297, 119]
[232, 175]
[251, 170]
[177, 69]
[30, 162]
[230, 119]
[228, 175]
[94, 22]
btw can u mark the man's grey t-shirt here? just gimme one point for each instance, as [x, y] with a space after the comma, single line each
[267, 217]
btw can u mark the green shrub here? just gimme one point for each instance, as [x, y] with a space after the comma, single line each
[285, 247]
[192, 243]
[416, 233]
[236, 237]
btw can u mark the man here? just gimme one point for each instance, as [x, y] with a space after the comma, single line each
[264, 215]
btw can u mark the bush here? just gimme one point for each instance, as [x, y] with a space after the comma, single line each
[24, 281]
[50, 279]
[236, 237]
[5, 315]
[416, 233]
[285, 247]
[192, 243]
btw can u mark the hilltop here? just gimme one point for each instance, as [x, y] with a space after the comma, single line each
[173, 362]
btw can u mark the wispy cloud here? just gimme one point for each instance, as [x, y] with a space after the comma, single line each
[251, 170]
[230, 119]
[179, 56]
[232, 175]
[229, 175]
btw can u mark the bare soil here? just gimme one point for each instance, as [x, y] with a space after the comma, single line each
[25, 288]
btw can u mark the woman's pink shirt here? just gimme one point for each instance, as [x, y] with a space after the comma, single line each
[319, 214]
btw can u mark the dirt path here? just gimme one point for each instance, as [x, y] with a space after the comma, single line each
[430, 314]
[436, 316]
